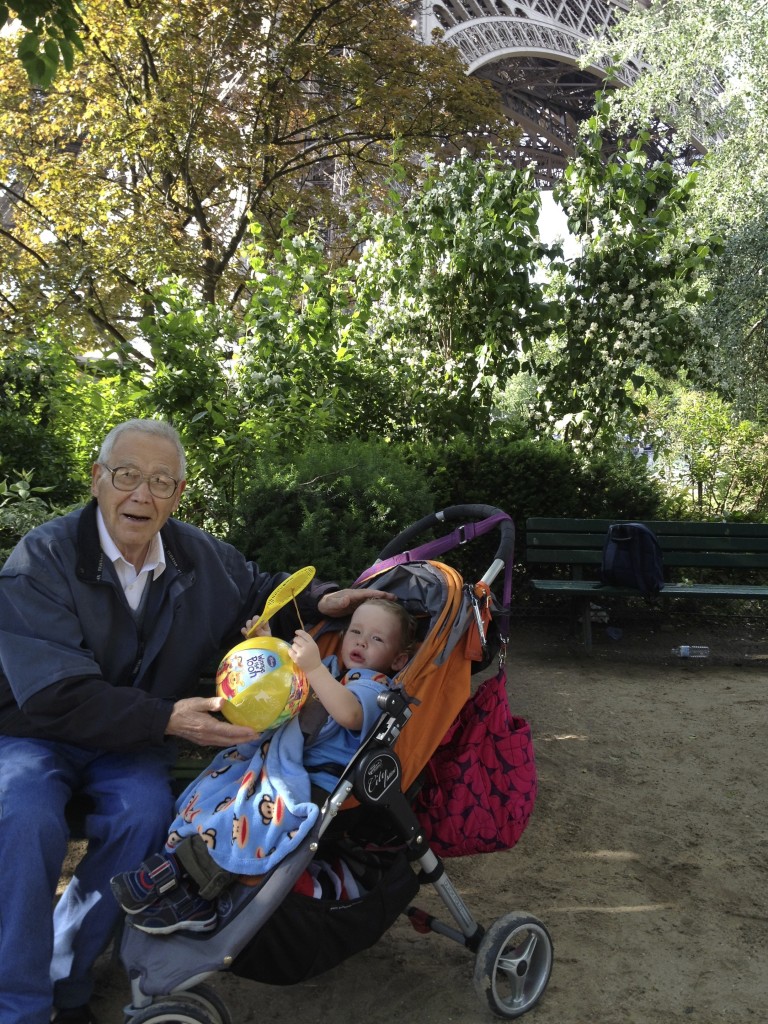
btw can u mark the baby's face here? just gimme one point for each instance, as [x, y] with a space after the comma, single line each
[373, 640]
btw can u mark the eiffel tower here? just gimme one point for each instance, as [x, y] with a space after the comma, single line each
[530, 52]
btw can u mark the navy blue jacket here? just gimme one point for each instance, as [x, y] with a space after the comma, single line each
[74, 664]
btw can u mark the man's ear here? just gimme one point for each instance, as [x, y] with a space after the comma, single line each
[96, 471]
[178, 494]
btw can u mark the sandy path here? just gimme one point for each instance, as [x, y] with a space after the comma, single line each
[646, 857]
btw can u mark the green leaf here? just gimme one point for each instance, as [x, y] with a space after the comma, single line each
[67, 53]
[28, 47]
[51, 52]
[36, 68]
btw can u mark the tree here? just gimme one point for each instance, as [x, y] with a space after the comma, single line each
[446, 286]
[55, 411]
[715, 460]
[624, 302]
[302, 366]
[181, 124]
[706, 73]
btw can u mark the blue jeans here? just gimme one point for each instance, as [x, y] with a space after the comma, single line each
[46, 960]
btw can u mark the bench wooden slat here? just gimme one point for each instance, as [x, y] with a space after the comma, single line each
[717, 560]
[680, 558]
[594, 542]
[595, 588]
[714, 546]
[660, 527]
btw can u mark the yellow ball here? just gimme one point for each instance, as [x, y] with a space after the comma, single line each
[260, 683]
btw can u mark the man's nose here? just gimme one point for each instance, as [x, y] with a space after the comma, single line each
[141, 490]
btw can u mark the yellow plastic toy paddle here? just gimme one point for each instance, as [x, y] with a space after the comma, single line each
[282, 594]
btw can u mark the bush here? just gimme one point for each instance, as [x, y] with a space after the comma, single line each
[528, 476]
[336, 505]
[333, 506]
[21, 509]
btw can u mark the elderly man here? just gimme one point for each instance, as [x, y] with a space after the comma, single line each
[107, 616]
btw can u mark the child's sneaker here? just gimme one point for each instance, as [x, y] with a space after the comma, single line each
[137, 890]
[180, 910]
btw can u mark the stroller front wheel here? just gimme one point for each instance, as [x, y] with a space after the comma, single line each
[513, 964]
[199, 1005]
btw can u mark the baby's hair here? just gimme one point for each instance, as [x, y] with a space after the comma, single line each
[406, 621]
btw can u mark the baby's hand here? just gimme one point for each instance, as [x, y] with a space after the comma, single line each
[263, 629]
[305, 652]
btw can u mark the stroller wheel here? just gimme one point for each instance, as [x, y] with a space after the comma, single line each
[199, 1005]
[513, 964]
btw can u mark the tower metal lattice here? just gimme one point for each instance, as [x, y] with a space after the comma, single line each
[530, 52]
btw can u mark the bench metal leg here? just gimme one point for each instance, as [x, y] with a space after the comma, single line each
[580, 609]
[586, 623]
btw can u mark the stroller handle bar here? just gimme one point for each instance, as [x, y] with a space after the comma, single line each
[477, 514]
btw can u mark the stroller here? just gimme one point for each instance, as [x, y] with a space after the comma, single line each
[276, 934]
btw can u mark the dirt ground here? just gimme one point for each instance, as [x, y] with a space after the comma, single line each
[646, 856]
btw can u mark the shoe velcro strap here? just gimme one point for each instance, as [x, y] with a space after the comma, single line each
[162, 872]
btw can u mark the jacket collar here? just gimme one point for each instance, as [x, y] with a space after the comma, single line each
[90, 557]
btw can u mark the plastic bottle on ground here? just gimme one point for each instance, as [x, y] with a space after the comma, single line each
[690, 651]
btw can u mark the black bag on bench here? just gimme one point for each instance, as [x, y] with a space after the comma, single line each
[632, 558]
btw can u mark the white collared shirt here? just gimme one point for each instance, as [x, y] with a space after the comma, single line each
[132, 582]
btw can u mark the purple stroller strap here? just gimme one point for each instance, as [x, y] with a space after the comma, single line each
[430, 549]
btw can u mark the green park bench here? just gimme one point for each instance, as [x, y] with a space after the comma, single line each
[573, 548]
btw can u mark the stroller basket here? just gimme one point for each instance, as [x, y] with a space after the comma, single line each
[276, 933]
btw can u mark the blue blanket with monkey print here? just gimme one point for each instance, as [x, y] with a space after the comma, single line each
[252, 804]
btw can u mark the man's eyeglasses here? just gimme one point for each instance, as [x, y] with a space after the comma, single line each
[127, 478]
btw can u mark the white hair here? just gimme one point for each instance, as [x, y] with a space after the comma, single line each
[158, 428]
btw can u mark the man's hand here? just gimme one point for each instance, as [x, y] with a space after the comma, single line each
[344, 602]
[192, 719]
